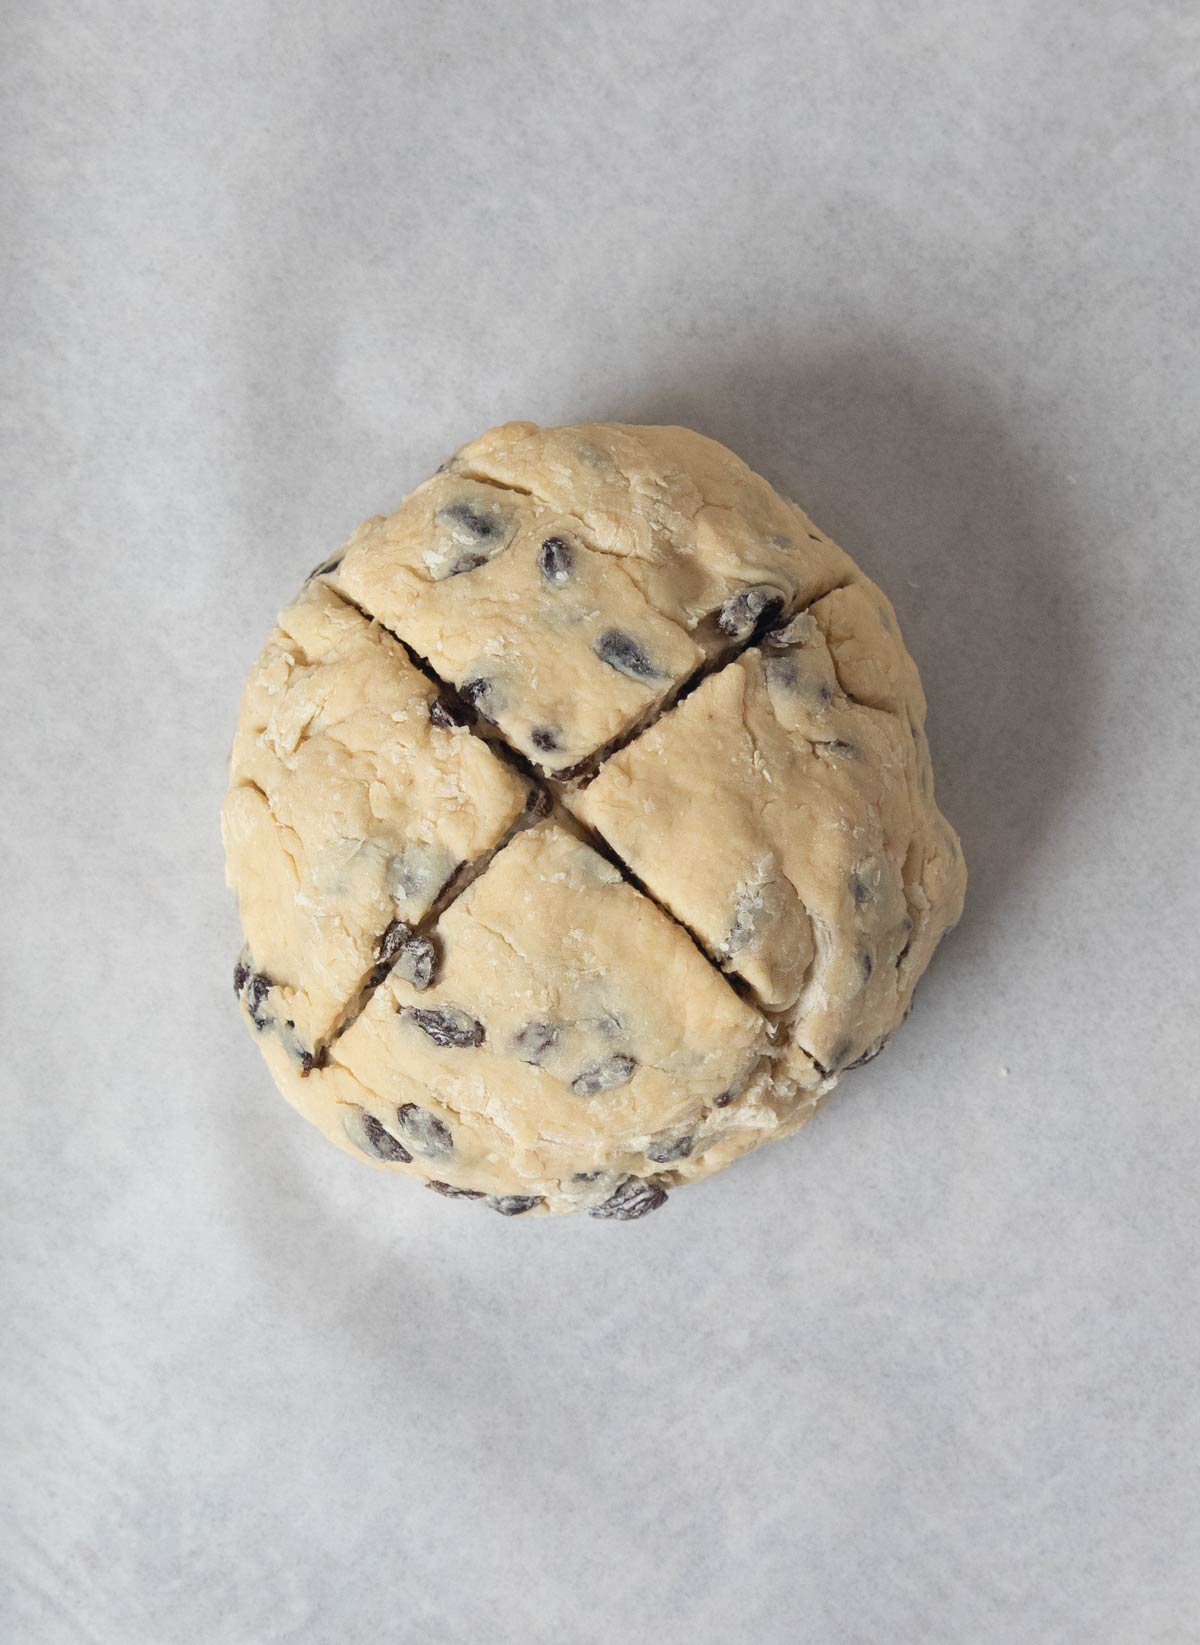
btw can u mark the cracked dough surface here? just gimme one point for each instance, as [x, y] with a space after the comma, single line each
[742, 879]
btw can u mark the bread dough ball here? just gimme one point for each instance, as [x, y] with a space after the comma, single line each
[582, 824]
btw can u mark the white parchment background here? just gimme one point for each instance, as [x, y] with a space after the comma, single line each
[928, 1372]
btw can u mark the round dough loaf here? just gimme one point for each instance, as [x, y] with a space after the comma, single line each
[582, 824]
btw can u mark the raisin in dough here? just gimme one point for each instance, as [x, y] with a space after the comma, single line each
[742, 879]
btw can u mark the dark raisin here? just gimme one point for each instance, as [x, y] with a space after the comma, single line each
[860, 890]
[866, 965]
[451, 1192]
[415, 871]
[447, 1026]
[441, 714]
[622, 652]
[241, 976]
[543, 737]
[781, 672]
[394, 937]
[555, 561]
[428, 1134]
[479, 694]
[536, 1042]
[634, 1198]
[662, 1153]
[416, 962]
[742, 612]
[479, 523]
[382, 1143]
[539, 803]
[838, 748]
[309, 1060]
[725, 1098]
[755, 909]
[587, 1176]
[257, 989]
[604, 1075]
[515, 1205]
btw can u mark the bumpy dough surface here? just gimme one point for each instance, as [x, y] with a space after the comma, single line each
[582, 824]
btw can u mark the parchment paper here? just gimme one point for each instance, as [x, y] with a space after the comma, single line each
[927, 1373]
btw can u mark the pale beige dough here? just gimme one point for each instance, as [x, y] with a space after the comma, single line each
[737, 890]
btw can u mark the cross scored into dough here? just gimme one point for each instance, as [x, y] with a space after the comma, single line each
[683, 867]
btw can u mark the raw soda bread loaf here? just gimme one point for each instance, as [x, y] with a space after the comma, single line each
[582, 824]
